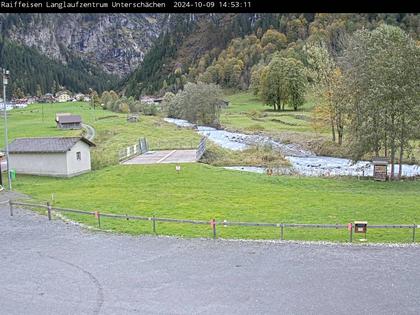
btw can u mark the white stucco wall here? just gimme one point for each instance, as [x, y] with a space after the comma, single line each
[75, 166]
[52, 164]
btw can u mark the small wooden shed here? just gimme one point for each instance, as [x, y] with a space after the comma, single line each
[380, 168]
[69, 122]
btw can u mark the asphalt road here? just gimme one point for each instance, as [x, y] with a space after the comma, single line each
[59, 268]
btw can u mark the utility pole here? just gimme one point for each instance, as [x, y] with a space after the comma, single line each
[5, 74]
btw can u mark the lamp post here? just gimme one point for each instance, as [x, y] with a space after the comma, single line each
[5, 74]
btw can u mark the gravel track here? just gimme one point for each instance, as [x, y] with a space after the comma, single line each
[60, 268]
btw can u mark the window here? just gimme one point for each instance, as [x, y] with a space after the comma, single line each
[78, 156]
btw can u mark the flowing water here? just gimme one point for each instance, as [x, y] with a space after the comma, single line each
[303, 162]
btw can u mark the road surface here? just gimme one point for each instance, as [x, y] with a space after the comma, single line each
[60, 268]
[90, 132]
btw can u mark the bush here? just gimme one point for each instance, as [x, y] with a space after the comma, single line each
[149, 109]
[198, 103]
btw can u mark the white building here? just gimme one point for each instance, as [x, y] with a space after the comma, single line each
[62, 97]
[50, 156]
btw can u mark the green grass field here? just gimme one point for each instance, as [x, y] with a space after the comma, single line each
[203, 192]
[246, 112]
[38, 120]
[113, 132]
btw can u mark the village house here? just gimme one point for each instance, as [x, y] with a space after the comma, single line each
[79, 97]
[20, 103]
[68, 121]
[151, 100]
[47, 98]
[50, 156]
[63, 96]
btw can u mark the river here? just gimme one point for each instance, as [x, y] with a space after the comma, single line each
[303, 162]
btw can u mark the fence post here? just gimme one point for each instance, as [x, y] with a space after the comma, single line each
[98, 216]
[213, 225]
[11, 208]
[414, 232]
[49, 211]
[350, 227]
[281, 231]
[154, 224]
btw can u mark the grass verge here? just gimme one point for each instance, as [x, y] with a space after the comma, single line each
[203, 192]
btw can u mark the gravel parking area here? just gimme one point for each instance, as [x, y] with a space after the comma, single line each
[59, 268]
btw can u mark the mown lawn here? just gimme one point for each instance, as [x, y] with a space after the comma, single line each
[113, 132]
[247, 112]
[203, 192]
[38, 120]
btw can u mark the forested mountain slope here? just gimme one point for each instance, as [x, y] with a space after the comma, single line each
[224, 48]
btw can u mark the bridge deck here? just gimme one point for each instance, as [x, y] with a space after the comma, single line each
[165, 156]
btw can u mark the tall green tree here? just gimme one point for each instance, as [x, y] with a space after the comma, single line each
[198, 103]
[327, 80]
[296, 80]
[283, 82]
[382, 68]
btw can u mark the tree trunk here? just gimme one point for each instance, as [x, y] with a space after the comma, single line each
[392, 158]
[340, 129]
[392, 148]
[332, 128]
[385, 137]
[385, 145]
[401, 147]
[401, 158]
[340, 136]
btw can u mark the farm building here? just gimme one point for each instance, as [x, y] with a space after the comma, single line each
[151, 100]
[47, 98]
[50, 156]
[68, 121]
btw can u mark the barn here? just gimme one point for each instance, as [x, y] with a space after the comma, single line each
[68, 121]
[50, 156]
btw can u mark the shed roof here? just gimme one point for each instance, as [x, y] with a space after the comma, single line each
[378, 160]
[69, 119]
[45, 145]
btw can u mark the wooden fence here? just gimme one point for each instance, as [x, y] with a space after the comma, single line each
[213, 223]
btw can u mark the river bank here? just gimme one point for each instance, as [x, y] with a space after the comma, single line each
[303, 161]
